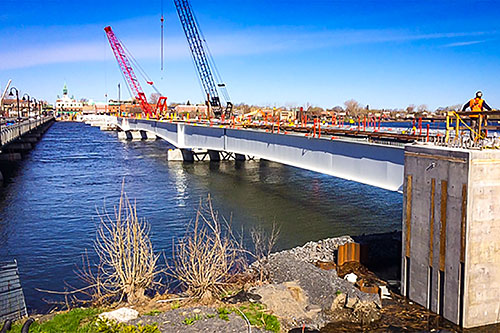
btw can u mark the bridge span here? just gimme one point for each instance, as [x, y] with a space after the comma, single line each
[19, 138]
[374, 164]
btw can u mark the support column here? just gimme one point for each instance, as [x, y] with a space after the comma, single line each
[239, 157]
[187, 155]
[135, 135]
[18, 147]
[145, 135]
[214, 155]
[174, 155]
[122, 135]
[451, 228]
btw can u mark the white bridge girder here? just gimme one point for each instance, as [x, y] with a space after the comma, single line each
[368, 163]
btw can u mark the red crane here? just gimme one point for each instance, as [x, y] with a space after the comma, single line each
[131, 78]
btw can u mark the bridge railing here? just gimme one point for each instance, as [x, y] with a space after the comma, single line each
[13, 132]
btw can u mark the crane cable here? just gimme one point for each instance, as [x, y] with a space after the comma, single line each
[161, 47]
[136, 64]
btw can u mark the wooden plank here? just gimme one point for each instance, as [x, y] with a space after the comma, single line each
[463, 223]
[10, 294]
[9, 286]
[408, 213]
[442, 233]
[8, 267]
[431, 226]
[8, 275]
[12, 303]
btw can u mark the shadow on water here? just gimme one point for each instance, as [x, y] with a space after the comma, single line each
[48, 204]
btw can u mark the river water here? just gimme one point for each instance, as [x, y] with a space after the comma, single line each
[49, 202]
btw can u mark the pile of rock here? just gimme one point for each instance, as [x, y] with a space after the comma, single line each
[322, 250]
[302, 294]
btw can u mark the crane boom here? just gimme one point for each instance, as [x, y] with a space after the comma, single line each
[200, 58]
[4, 93]
[127, 70]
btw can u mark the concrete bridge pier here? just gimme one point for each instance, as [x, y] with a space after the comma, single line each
[187, 155]
[122, 135]
[451, 233]
[239, 157]
[146, 135]
[7, 163]
[214, 155]
[18, 147]
[136, 135]
[29, 139]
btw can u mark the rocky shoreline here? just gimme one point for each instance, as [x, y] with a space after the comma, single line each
[304, 291]
[298, 292]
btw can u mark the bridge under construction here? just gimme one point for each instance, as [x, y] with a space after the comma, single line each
[450, 182]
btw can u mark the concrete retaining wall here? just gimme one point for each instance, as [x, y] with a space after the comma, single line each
[451, 232]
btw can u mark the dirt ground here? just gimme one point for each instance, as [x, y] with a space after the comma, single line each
[398, 314]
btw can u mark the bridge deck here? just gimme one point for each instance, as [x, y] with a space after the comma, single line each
[369, 163]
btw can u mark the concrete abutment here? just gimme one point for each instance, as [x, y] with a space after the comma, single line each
[451, 233]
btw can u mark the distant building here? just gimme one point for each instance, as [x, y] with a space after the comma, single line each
[68, 104]
[124, 108]
[193, 109]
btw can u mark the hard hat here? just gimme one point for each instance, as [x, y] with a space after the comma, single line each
[479, 94]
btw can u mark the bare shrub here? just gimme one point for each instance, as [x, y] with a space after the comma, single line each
[263, 245]
[208, 255]
[127, 264]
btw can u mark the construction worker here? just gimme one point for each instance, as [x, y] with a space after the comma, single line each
[477, 104]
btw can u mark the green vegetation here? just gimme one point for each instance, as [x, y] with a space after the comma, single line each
[175, 305]
[109, 326]
[191, 320]
[105, 326]
[83, 321]
[256, 315]
[223, 313]
[153, 313]
[74, 321]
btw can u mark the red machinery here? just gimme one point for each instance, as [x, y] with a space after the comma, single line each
[131, 78]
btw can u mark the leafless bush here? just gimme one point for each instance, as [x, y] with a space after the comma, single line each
[263, 242]
[208, 255]
[263, 245]
[127, 264]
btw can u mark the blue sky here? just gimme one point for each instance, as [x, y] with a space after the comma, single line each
[387, 54]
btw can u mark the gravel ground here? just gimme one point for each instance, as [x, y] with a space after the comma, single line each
[173, 321]
[322, 250]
